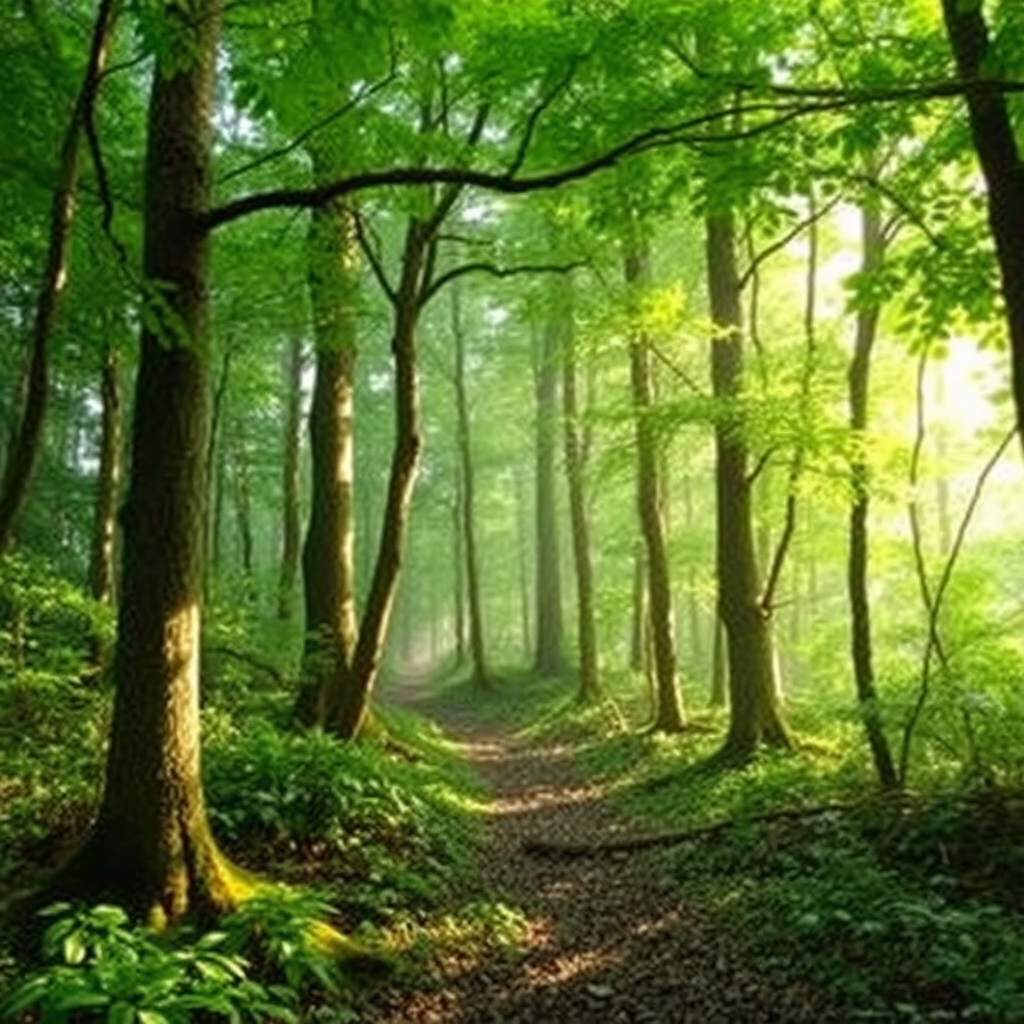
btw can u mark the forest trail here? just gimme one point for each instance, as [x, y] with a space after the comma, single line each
[607, 939]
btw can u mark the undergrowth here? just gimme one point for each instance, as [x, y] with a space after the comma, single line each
[904, 910]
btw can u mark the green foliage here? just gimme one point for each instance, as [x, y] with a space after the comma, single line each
[386, 830]
[99, 969]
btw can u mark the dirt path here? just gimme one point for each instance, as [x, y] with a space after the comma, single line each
[608, 941]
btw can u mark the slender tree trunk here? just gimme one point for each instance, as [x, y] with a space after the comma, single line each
[151, 848]
[857, 565]
[638, 631]
[328, 554]
[459, 565]
[291, 527]
[216, 473]
[242, 494]
[103, 558]
[650, 503]
[1000, 159]
[547, 659]
[523, 552]
[347, 719]
[476, 628]
[754, 714]
[719, 667]
[586, 627]
[24, 446]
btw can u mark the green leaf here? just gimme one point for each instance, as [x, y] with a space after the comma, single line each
[151, 1017]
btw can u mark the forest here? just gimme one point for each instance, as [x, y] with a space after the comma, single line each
[507, 511]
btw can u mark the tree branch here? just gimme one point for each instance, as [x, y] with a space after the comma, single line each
[495, 271]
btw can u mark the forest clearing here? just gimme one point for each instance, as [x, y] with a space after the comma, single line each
[507, 511]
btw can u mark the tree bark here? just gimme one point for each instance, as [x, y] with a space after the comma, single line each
[754, 715]
[1000, 159]
[476, 629]
[650, 503]
[24, 446]
[151, 849]
[328, 554]
[291, 527]
[858, 378]
[547, 659]
[575, 467]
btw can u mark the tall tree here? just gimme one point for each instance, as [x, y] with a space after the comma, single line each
[992, 129]
[859, 373]
[579, 518]
[668, 715]
[548, 654]
[291, 527]
[467, 496]
[754, 714]
[21, 455]
[151, 848]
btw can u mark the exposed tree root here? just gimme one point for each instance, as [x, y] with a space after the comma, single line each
[672, 837]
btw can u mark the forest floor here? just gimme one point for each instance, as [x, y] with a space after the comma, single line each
[606, 937]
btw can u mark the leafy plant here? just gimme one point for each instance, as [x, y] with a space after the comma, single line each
[99, 968]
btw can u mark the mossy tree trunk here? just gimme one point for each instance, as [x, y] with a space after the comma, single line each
[151, 848]
[328, 554]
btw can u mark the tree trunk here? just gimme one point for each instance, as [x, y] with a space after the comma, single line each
[291, 527]
[103, 560]
[24, 446]
[151, 849]
[650, 503]
[458, 565]
[754, 715]
[638, 631]
[857, 565]
[347, 719]
[476, 628]
[586, 627]
[328, 555]
[547, 659]
[242, 494]
[996, 145]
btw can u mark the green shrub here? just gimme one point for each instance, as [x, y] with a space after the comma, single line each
[98, 968]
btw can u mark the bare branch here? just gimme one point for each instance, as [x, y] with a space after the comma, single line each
[535, 115]
[495, 271]
[371, 250]
[304, 136]
[780, 243]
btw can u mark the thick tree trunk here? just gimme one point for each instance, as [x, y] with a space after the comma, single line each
[24, 446]
[291, 527]
[151, 848]
[857, 566]
[754, 715]
[547, 659]
[328, 555]
[476, 628]
[650, 504]
[586, 626]
[1000, 158]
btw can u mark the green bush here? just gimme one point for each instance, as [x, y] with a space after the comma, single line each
[99, 969]
[389, 828]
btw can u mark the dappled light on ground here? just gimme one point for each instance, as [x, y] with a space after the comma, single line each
[605, 937]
